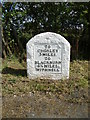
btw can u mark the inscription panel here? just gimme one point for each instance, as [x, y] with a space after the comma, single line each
[47, 58]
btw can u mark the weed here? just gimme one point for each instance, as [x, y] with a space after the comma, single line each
[15, 81]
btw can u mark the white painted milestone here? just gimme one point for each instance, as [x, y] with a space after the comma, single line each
[48, 56]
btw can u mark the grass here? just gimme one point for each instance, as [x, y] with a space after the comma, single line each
[15, 81]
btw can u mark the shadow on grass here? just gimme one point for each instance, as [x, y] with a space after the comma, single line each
[16, 72]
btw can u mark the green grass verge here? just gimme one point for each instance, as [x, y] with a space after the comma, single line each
[15, 81]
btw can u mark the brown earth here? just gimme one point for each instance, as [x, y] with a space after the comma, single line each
[24, 98]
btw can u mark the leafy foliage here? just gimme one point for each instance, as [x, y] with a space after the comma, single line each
[21, 21]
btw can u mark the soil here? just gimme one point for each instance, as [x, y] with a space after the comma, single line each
[38, 105]
[24, 98]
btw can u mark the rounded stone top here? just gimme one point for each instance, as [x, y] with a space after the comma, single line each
[48, 36]
[48, 56]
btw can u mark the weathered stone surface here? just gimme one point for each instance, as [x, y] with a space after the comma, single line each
[48, 56]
